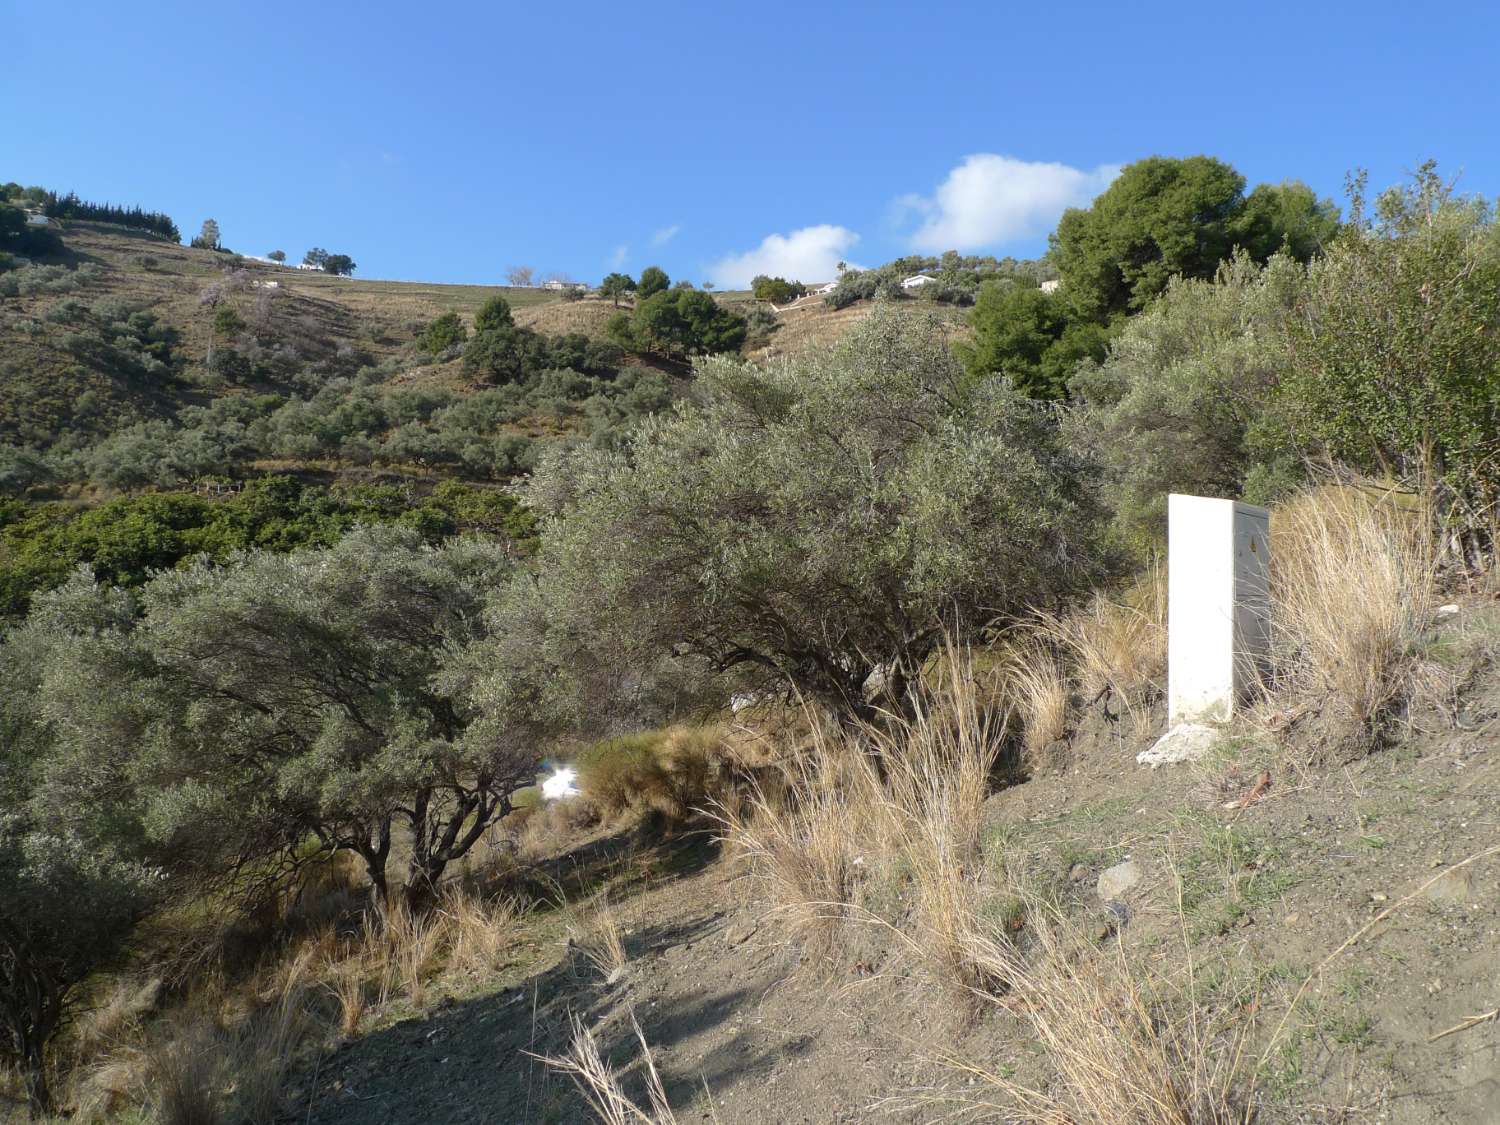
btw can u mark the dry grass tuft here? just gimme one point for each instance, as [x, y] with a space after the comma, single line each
[1123, 1046]
[403, 948]
[600, 1085]
[594, 930]
[479, 931]
[1118, 645]
[906, 796]
[345, 980]
[669, 773]
[1034, 683]
[186, 1074]
[1352, 593]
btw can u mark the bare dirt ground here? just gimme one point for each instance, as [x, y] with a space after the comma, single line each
[1259, 898]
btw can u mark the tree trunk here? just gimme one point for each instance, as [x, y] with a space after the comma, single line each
[34, 1064]
[375, 852]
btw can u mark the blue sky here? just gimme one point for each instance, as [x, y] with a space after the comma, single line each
[449, 141]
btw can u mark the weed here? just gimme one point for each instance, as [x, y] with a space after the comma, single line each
[600, 1085]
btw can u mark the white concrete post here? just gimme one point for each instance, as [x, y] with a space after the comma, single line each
[1218, 605]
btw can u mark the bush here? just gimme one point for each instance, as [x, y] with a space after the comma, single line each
[777, 290]
[1183, 401]
[1397, 356]
[791, 497]
[447, 331]
[667, 773]
[1352, 592]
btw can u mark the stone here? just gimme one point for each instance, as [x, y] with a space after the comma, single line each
[1119, 880]
[1078, 873]
[1186, 742]
[1451, 886]
[1448, 610]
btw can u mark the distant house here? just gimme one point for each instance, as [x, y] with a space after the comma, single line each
[1051, 286]
[917, 280]
[829, 288]
[554, 284]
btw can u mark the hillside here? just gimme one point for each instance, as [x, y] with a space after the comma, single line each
[323, 325]
[1317, 924]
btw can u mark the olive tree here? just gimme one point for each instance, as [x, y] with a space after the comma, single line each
[72, 884]
[821, 518]
[284, 705]
[69, 905]
[1183, 401]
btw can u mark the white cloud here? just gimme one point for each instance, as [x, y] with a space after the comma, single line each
[810, 254]
[617, 258]
[665, 235]
[990, 199]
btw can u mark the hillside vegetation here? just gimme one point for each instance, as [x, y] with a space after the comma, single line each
[503, 719]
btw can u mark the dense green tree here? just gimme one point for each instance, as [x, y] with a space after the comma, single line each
[277, 256]
[287, 705]
[71, 207]
[654, 280]
[70, 904]
[494, 313]
[317, 256]
[617, 285]
[339, 264]
[776, 289]
[816, 519]
[1286, 218]
[685, 322]
[70, 879]
[1183, 401]
[1165, 217]
[444, 332]
[1033, 338]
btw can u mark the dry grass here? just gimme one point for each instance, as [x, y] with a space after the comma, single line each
[600, 1085]
[1118, 645]
[670, 773]
[345, 980]
[593, 929]
[186, 1074]
[906, 796]
[401, 948]
[262, 1052]
[806, 838]
[1034, 683]
[1123, 1045]
[1352, 594]
[479, 931]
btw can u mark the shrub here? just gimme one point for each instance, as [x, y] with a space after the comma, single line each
[1397, 356]
[1183, 401]
[738, 529]
[777, 290]
[447, 331]
[668, 773]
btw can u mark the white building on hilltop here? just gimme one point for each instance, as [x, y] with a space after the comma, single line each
[1051, 286]
[917, 280]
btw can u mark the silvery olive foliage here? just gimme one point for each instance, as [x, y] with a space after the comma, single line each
[286, 705]
[813, 520]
